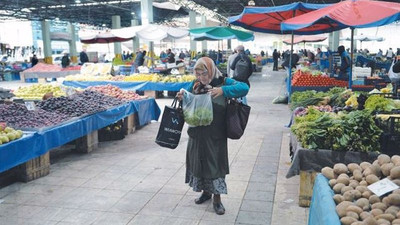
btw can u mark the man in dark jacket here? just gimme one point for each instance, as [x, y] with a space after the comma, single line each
[34, 60]
[249, 70]
[83, 57]
[170, 56]
[65, 60]
[275, 56]
[295, 60]
[344, 68]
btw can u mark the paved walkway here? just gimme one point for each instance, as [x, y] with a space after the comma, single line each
[134, 181]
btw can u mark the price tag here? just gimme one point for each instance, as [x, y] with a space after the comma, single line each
[30, 106]
[382, 187]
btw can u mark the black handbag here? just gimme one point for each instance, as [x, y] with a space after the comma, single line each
[171, 126]
[237, 115]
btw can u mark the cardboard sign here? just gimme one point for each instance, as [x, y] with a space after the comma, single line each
[382, 187]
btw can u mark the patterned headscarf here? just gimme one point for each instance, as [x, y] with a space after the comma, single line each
[205, 63]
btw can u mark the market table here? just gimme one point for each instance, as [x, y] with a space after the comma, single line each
[322, 208]
[35, 144]
[125, 85]
[43, 75]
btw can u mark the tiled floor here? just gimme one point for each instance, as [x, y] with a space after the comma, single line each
[134, 181]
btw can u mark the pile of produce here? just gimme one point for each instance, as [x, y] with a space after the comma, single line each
[356, 204]
[73, 68]
[8, 134]
[87, 102]
[354, 131]
[116, 92]
[17, 115]
[94, 69]
[43, 67]
[36, 91]
[198, 117]
[301, 78]
[336, 96]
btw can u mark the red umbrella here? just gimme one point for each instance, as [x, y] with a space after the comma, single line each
[304, 39]
[346, 14]
[103, 38]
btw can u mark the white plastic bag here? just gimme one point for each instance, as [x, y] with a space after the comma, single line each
[394, 77]
[197, 109]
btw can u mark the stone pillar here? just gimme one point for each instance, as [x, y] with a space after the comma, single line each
[334, 40]
[46, 42]
[146, 9]
[229, 44]
[203, 24]
[116, 24]
[192, 24]
[135, 44]
[72, 44]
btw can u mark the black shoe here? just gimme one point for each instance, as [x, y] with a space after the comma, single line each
[219, 208]
[203, 198]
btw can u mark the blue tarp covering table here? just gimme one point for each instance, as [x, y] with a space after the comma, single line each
[140, 86]
[37, 143]
[322, 208]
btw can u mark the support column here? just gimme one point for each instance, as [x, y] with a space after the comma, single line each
[72, 44]
[192, 24]
[135, 44]
[334, 40]
[355, 41]
[229, 44]
[203, 24]
[46, 41]
[116, 23]
[146, 7]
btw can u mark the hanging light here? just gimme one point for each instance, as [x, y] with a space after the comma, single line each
[251, 3]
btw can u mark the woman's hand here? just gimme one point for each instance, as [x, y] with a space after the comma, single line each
[179, 95]
[215, 92]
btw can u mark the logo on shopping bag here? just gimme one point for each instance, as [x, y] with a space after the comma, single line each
[175, 121]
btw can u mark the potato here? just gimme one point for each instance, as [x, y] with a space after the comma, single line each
[343, 180]
[340, 168]
[341, 208]
[328, 173]
[361, 189]
[363, 203]
[396, 221]
[398, 215]
[355, 209]
[343, 175]
[395, 172]
[375, 162]
[376, 169]
[357, 175]
[376, 212]
[364, 215]
[363, 183]
[353, 184]
[383, 158]
[338, 187]
[368, 171]
[385, 168]
[347, 220]
[365, 165]
[370, 221]
[357, 223]
[366, 194]
[353, 166]
[372, 179]
[349, 196]
[346, 188]
[396, 181]
[396, 160]
[385, 201]
[332, 182]
[397, 191]
[383, 222]
[352, 214]
[393, 210]
[338, 198]
[374, 199]
[386, 216]
[379, 205]
[394, 199]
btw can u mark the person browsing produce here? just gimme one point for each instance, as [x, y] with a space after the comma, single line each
[207, 150]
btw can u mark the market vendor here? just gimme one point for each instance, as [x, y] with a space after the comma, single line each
[344, 68]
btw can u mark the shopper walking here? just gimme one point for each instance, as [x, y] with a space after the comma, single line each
[83, 57]
[246, 67]
[207, 161]
[230, 73]
[34, 60]
[275, 57]
[65, 61]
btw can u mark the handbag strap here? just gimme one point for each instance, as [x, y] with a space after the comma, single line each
[175, 101]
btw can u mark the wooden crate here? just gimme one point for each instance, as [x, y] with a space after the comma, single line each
[34, 168]
[306, 187]
[87, 143]
[129, 124]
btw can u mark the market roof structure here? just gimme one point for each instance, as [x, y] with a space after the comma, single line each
[99, 12]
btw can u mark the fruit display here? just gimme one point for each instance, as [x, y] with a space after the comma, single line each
[96, 69]
[43, 67]
[153, 77]
[87, 102]
[315, 78]
[355, 202]
[36, 92]
[18, 116]
[116, 92]
[8, 134]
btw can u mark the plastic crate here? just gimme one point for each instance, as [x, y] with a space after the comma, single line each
[112, 132]
[31, 80]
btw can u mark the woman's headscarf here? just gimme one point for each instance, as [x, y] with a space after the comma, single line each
[205, 63]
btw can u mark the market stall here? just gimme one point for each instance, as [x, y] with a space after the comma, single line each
[42, 71]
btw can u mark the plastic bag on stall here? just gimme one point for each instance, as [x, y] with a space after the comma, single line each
[394, 77]
[197, 109]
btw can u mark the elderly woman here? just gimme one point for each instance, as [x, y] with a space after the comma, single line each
[207, 151]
